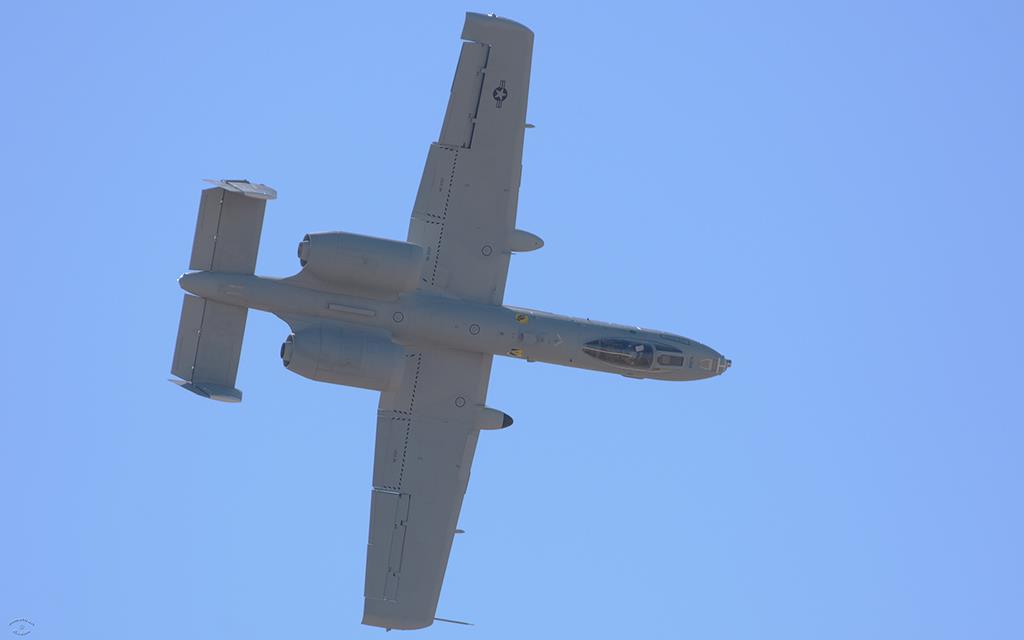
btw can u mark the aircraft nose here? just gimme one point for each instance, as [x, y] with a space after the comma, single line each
[711, 362]
[723, 364]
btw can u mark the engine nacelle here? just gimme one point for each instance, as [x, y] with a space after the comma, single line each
[349, 358]
[362, 262]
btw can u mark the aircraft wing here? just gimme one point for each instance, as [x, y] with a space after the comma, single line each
[427, 431]
[465, 208]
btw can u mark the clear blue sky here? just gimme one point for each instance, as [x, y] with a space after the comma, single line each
[828, 193]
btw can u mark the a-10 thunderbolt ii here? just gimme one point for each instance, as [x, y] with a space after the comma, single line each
[419, 321]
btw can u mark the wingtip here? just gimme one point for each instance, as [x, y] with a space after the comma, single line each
[477, 24]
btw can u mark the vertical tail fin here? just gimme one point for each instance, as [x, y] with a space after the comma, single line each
[210, 333]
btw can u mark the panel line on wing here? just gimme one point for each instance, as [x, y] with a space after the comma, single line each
[464, 101]
[395, 429]
[415, 381]
[444, 217]
[479, 97]
[397, 547]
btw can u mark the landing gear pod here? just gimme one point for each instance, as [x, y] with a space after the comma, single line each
[521, 241]
[493, 419]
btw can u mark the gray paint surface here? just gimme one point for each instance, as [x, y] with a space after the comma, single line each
[418, 321]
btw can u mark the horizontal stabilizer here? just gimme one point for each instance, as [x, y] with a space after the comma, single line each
[208, 348]
[229, 226]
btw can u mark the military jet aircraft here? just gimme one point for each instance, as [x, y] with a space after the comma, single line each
[419, 321]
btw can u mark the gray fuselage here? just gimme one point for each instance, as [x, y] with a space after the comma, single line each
[419, 318]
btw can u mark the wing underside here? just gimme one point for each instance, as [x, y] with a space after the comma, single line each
[426, 438]
[427, 428]
[465, 208]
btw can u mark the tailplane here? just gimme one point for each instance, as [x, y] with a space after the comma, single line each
[210, 333]
[229, 226]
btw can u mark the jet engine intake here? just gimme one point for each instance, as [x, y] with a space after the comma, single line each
[362, 262]
[350, 358]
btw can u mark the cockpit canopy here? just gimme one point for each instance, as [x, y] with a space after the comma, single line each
[621, 352]
[633, 354]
